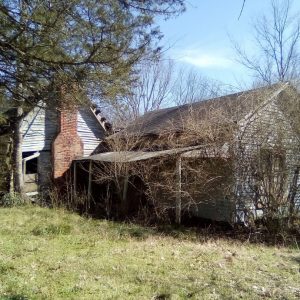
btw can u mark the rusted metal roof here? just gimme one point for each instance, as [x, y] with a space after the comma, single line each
[131, 156]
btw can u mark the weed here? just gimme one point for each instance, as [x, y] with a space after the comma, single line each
[5, 267]
[11, 200]
[52, 229]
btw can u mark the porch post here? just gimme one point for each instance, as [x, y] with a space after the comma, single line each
[124, 196]
[178, 191]
[90, 183]
[24, 169]
[74, 179]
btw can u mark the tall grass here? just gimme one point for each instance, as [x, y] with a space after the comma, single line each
[53, 254]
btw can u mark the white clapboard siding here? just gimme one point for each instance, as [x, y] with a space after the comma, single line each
[89, 130]
[39, 128]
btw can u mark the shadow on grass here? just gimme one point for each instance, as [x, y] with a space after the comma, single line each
[203, 232]
[140, 232]
[14, 297]
[297, 260]
[193, 229]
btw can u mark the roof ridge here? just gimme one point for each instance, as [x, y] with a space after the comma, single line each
[211, 99]
[236, 105]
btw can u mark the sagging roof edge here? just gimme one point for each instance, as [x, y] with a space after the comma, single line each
[131, 156]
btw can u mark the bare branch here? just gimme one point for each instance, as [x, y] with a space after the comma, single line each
[277, 45]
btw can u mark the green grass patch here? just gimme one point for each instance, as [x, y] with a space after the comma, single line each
[52, 229]
[55, 254]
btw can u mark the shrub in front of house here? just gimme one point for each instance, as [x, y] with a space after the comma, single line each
[11, 200]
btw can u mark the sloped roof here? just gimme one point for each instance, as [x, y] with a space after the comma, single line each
[235, 106]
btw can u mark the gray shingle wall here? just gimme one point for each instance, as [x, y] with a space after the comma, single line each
[264, 130]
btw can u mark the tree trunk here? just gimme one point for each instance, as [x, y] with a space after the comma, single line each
[17, 154]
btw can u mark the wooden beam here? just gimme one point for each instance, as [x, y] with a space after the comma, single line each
[178, 191]
[35, 155]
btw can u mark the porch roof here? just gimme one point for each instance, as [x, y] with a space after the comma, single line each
[131, 156]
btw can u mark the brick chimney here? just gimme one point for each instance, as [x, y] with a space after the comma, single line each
[67, 145]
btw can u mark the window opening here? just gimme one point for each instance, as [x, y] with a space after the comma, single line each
[30, 162]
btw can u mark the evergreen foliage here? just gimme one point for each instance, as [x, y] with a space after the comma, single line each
[45, 44]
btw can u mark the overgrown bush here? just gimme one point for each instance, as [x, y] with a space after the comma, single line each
[11, 200]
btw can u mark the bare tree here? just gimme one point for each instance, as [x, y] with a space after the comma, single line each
[277, 45]
[160, 84]
[189, 86]
[150, 91]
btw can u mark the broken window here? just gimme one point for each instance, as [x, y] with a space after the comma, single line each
[30, 162]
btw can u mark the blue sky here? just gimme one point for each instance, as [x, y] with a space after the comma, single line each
[200, 38]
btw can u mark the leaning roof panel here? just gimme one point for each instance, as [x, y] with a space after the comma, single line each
[131, 156]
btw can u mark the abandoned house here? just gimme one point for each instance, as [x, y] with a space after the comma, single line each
[51, 140]
[216, 159]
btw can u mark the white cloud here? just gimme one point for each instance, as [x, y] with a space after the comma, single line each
[203, 60]
[207, 61]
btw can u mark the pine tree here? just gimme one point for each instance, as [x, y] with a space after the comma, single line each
[46, 44]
